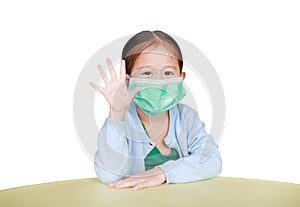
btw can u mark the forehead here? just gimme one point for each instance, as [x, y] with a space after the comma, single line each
[158, 57]
[157, 60]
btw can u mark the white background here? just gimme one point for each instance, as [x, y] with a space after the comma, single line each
[253, 45]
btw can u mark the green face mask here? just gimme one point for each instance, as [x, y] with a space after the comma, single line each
[157, 95]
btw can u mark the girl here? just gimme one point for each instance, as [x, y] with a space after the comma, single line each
[149, 137]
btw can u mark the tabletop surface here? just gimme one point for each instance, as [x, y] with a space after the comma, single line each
[219, 191]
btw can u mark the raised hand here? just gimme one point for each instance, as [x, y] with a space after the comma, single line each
[116, 92]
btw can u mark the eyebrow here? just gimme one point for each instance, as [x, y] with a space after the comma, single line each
[150, 66]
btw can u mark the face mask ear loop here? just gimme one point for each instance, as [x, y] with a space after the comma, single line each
[127, 79]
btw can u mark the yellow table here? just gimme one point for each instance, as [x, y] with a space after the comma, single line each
[220, 191]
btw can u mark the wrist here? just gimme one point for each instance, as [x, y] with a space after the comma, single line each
[118, 116]
[162, 175]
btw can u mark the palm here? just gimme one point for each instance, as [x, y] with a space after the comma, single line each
[116, 91]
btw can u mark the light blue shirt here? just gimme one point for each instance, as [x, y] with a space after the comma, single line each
[123, 145]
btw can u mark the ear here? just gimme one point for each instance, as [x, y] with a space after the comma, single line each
[183, 75]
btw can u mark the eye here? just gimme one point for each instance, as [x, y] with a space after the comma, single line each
[169, 73]
[147, 73]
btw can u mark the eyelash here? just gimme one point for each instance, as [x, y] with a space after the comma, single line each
[170, 73]
[146, 72]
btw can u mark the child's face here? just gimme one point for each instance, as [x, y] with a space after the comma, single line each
[157, 63]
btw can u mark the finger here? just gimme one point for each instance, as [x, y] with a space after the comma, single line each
[95, 86]
[149, 182]
[139, 186]
[113, 184]
[120, 183]
[102, 74]
[129, 183]
[111, 69]
[122, 69]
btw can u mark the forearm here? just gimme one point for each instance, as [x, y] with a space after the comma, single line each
[112, 154]
[117, 115]
[191, 168]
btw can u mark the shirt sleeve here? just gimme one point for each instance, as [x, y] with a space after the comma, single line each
[111, 157]
[203, 160]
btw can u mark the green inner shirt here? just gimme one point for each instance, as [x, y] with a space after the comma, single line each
[155, 158]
